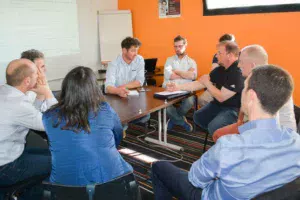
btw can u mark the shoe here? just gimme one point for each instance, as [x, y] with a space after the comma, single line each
[170, 125]
[187, 126]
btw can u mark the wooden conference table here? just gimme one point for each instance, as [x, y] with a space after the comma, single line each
[134, 107]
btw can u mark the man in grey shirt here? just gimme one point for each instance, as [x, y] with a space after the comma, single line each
[18, 115]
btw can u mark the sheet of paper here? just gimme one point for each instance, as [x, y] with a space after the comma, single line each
[170, 93]
[133, 93]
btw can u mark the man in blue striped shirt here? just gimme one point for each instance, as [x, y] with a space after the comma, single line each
[127, 71]
[265, 156]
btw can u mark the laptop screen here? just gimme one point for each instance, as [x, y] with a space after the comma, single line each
[150, 64]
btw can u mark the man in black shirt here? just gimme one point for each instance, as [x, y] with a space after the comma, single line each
[225, 84]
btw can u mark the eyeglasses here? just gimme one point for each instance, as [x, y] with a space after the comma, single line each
[220, 53]
[178, 46]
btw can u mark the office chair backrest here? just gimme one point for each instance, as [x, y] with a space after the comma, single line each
[297, 116]
[290, 191]
[124, 187]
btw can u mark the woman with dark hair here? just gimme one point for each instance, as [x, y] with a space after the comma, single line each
[84, 132]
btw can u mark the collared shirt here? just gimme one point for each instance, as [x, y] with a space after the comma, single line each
[286, 115]
[120, 73]
[231, 79]
[174, 63]
[18, 115]
[263, 157]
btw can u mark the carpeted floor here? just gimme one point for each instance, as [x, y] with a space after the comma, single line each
[191, 142]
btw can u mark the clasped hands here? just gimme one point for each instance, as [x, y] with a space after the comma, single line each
[172, 87]
[42, 88]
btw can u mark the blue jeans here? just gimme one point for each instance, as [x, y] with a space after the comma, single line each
[177, 114]
[168, 181]
[141, 120]
[211, 117]
[32, 162]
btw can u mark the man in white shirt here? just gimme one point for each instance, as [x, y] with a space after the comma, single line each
[18, 115]
[127, 71]
[180, 69]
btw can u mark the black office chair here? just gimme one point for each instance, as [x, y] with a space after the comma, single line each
[124, 187]
[290, 191]
[297, 115]
[150, 81]
[12, 192]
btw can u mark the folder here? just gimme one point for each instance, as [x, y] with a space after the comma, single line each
[170, 95]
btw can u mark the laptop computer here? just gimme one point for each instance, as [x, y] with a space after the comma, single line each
[150, 64]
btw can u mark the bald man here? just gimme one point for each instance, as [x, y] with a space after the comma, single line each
[251, 57]
[17, 116]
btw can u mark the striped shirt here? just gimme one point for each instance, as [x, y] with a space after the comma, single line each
[120, 73]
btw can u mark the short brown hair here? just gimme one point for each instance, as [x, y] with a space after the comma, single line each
[16, 77]
[227, 37]
[180, 38]
[272, 85]
[128, 42]
[231, 47]
[32, 54]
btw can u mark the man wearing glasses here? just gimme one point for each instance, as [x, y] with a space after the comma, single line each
[180, 69]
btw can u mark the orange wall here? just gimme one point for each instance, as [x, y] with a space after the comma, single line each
[279, 33]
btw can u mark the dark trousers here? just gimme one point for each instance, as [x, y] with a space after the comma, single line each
[32, 162]
[211, 117]
[169, 180]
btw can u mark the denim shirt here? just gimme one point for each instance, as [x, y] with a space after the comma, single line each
[263, 157]
[85, 158]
